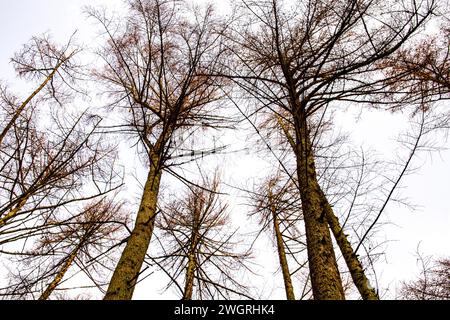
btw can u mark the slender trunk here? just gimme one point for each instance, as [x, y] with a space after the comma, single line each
[354, 265]
[126, 273]
[191, 267]
[27, 101]
[282, 257]
[325, 277]
[59, 276]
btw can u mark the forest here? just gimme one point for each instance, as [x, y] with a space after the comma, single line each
[227, 150]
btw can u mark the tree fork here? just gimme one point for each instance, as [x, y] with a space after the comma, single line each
[14, 212]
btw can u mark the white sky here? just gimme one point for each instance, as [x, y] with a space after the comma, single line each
[429, 224]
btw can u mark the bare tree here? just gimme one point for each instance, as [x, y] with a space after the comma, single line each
[156, 68]
[330, 163]
[419, 72]
[198, 245]
[277, 207]
[44, 167]
[304, 58]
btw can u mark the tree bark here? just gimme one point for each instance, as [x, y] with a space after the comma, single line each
[283, 261]
[325, 277]
[126, 273]
[52, 286]
[27, 101]
[191, 267]
[354, 265]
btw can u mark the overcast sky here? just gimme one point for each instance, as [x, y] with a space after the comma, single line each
[428, 187]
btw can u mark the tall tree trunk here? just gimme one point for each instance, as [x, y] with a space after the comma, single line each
[59, 276]
[354, 265]
[281, 251]
[191, 267]
[27, 101]
[282, 257]
[325, 277]
[126, 273]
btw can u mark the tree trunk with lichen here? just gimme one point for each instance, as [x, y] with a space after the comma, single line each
[325, 278]
[19, 111]
[354, 265]
[126, 273]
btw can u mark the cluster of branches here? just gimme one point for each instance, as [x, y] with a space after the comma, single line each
[299, 61]
[78, 241]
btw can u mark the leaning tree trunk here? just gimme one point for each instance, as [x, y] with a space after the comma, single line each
[19, 110]
[281, 253]
[126, 273]
[325, 278]
[60, 275]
